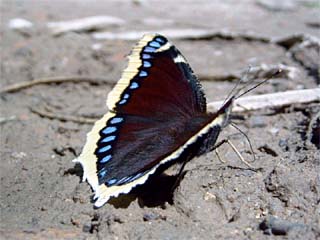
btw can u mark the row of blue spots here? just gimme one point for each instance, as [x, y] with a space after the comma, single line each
[125, 98]
[150, 48]
[109, 138]
[153, 45]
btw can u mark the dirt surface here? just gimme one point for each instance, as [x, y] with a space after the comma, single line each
[41, 193]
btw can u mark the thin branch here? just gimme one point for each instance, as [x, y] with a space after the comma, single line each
[73, 79]
[46, 114]
[272, 100]
[183, 34]
[260, 71]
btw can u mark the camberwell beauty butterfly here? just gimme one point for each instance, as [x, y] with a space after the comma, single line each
[157, 115]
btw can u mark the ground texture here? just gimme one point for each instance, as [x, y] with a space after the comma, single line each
[41, 193]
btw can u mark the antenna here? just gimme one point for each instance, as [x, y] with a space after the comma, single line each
[237, 84]
[260, 83]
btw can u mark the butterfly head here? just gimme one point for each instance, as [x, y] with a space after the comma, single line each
[225, 111]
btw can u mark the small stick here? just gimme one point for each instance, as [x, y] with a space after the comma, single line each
[74, 79]
[43, 113]
[272, 100]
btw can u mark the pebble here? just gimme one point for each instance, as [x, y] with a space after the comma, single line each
[152, 216]
[283, 143]
[19, 23]
[257, 122]
[276, 226]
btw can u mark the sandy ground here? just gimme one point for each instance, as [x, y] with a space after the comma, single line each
[41, 193]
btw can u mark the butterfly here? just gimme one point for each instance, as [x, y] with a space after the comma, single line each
[157, 115]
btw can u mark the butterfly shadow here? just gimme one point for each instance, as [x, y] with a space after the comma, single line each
[157, 191]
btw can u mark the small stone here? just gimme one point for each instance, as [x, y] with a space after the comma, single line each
[153, 216]
[18, 155]
[43, 209]
[87, 227]
[283, 143]
[19, 23]
[75, 222]
[209, 196]
[273, 130]
[257, 122]
[96, 46]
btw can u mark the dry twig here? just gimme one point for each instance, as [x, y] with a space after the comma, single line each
[46, 114]
[272, 100]
[260, 71]
[187, 34]
[75, 79]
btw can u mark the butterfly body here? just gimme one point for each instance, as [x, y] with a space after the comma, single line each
[157, 115]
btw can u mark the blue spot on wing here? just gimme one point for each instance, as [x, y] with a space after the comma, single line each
[143, 74]
[134, 85]
[154, 44]
[149, 49]
[116, 120]
[102, 173]
[105, 159]
[146, 64]
[158, 39]
[109, 130]
[108, 139]
[146, 56]
[112, 181]
[104, 149]
[123, 101]
[126, 96]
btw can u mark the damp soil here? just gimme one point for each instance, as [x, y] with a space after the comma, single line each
[42, 196]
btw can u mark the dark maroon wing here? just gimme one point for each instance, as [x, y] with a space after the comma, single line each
[161, 107]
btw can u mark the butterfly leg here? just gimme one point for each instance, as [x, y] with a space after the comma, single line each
[179, 175]
[233, 148]
[239, 154]
[218, 156]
